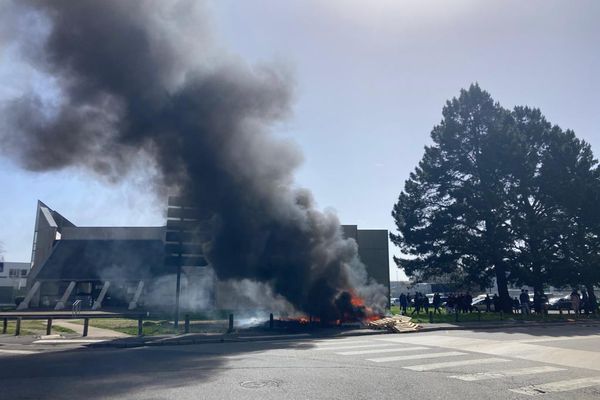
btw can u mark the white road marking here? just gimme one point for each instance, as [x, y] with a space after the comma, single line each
[505, 348]
[6, 351]
[388, 350]
[560, 386]
[360, 346]
[417, 356]
[274, 336]
[430, 367]
[68, 341]
[560, 338]
[504, 374]
[343, 342]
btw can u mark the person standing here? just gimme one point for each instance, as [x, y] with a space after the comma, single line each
[403, 303]
[516, 305]
[488, 303]
[426, 303]
[585, 302]
[496, 302]
[537, 302]
[468, 303]
[437, 303]
[450, 303]
[524, 299]
[575, 301]
[417, 308]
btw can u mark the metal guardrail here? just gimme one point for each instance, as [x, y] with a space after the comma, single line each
[49, 317]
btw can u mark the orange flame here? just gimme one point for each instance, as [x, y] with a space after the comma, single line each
[358, 302]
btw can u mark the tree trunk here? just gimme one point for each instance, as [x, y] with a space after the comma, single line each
[592, 301]
[538, 292]
[505, 300]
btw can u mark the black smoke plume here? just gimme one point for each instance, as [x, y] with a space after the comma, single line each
[139, 80]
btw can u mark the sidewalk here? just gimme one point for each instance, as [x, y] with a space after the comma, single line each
[427, 327]
[93, 332]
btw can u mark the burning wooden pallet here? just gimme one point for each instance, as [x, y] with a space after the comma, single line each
[397, 324]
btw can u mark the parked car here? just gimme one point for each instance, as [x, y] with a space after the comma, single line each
[478, 304]
[560, 303]
[443, 298]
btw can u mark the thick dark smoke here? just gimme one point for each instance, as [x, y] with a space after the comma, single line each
[135, 82]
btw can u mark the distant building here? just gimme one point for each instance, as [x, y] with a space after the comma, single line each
[13, 280]
[131, 267]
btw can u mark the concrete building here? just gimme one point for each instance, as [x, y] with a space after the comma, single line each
[131, 267]
[72, 263]
[373, 252]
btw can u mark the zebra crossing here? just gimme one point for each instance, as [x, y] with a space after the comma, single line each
[423, 358]
[16, 352]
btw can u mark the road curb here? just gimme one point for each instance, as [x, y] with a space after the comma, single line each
[154, 342]
[503, 326]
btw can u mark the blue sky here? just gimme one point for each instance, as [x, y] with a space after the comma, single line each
[371, 81]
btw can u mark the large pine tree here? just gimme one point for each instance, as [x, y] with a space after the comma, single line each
[452, 215]
[576, 193]
[501, 195]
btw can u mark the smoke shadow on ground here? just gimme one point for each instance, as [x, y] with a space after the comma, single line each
[125, 373]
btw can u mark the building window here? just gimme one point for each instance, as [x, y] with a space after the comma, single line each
[13, 273]
[23, 273]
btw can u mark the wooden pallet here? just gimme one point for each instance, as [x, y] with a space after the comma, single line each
[397, 324]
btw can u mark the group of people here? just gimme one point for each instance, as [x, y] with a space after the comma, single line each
[459, 302]
[523, 303]
[462, 303]
[456, 302]
[582, 303]
[421, 302]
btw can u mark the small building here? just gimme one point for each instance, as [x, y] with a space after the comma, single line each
[13, 281]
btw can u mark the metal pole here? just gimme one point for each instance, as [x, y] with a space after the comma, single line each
[49, 327]
[177, 292]
[430, 317]
[140, 325]
[86, 324]
[4, 325]
[187, 323]
[230, 323]
[271, 321]
[179, 262]
[18, 327]
[479, 315]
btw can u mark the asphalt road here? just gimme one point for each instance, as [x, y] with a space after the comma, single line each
[543, 362]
